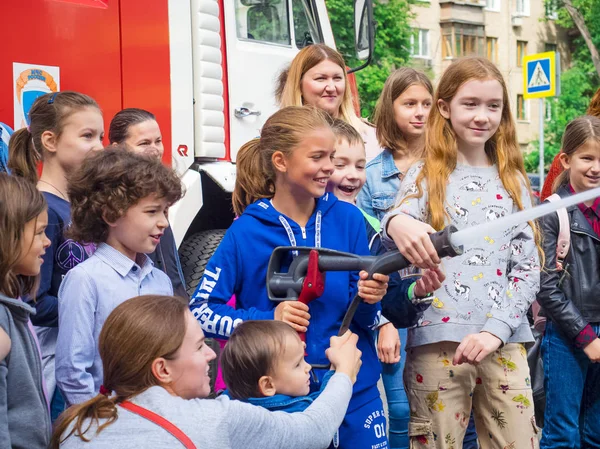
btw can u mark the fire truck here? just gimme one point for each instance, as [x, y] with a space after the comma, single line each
[206, 68]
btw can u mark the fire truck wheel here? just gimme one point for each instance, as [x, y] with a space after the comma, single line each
[194, 253]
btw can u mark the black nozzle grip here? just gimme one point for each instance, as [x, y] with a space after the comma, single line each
[394, 261]
[442, 242]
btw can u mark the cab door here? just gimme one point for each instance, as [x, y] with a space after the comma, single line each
[262, 38]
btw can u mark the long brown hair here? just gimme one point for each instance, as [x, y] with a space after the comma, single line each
[577, 132]
[441, 149]
[306, 59]
[388, 132]
[48, 113]
[136, 333]
[20, 202]
[283, 131]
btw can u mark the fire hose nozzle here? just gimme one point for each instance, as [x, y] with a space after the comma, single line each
[288, 285]
[304, 279]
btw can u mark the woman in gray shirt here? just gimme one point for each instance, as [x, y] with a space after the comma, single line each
[155, 374]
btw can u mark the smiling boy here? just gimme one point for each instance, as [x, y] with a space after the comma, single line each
[119, 202]
[345, 183]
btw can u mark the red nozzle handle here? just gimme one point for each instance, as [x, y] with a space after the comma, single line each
[313, 285]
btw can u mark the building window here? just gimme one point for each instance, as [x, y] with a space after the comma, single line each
[492, 49]
[419, 43]
[521, 52]
[522, 8]
[551, 7]
[462, 40]
[492, 5]
[550, 47]
[522, 112]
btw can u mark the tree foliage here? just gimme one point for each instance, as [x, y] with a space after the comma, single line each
[589, 12]
[578, 83]
[392, 44]
[577, 89]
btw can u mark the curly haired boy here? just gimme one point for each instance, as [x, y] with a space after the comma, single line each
[119, 201]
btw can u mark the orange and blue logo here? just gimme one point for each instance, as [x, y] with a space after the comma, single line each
[31, 84]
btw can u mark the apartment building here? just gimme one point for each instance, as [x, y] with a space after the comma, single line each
[503, 31]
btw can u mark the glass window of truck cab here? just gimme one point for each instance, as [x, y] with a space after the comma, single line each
[275, 22]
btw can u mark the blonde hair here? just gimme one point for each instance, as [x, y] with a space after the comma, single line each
[305, 60]
[441, 149]
[283, 131]
[388, 132]
[577, 133]
[346, 132]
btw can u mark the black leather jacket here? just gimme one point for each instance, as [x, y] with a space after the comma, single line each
[571, 298]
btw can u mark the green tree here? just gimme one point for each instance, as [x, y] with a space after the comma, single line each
[392, 44]
[577, 88]
[579, 82]
[585, 16]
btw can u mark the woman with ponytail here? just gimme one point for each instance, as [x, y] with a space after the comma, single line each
[155, 363]
[64, 128]
[280, 198]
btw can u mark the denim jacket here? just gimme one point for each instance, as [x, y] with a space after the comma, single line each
[383, 182]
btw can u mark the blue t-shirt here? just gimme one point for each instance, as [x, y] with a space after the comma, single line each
[62, 255]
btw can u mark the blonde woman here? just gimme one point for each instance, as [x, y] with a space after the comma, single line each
[317, 77]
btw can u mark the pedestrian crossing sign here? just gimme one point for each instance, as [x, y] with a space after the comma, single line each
[540, 75]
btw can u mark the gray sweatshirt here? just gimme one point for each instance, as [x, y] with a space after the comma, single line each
[222, 423]
[491, 286]
[24, 413]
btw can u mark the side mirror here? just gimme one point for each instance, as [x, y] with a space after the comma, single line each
[364, 32]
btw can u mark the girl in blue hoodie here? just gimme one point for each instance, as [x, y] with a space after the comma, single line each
[280, 199]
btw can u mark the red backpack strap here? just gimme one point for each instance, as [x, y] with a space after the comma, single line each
[564, 233]
[159, 421]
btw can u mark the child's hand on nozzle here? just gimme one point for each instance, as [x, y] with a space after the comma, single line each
[344, 356]
[295, 313]
[430, 281]
[412, 240]
[476, 347]
[388, 344]
[372, 290]
[592, 350]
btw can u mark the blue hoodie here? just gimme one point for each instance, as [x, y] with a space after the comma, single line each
[239, 267]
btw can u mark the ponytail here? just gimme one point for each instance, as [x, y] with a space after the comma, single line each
[254, 180]
[282, 132]
[81, 417]
[47, 113]
[23, 158]
[136, 333]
